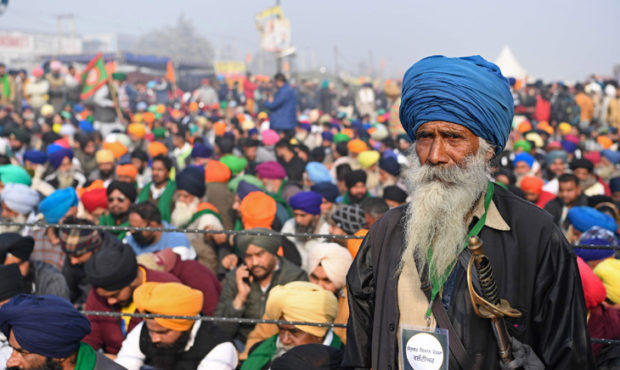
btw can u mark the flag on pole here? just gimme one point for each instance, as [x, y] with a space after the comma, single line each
[170, 72]
[94, 76]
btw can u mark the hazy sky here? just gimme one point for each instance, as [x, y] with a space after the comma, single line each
[552, 39]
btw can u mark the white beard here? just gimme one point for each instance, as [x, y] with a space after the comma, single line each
[13, 229]
[183, 212]
[438, 210]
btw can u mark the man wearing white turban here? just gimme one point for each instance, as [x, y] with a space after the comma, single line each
[18, 201]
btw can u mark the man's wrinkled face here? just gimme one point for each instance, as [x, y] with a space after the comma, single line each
[326, 207]
[440, 143]
[118, 203]
[260, 263]
[522, 168]
[291, 336]
[568, 192]
[304, 219]
[159, 172]
[184, 196]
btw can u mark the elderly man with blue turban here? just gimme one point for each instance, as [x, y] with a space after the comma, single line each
[46, 332]
[410, 271]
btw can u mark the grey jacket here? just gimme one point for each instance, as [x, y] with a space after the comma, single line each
[254, 307]
[49, 280]
[104, 363]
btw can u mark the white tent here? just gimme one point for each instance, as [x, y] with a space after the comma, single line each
[510, 66]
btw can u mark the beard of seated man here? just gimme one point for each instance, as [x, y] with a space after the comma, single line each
[165, 357]
[301, 229]
[183, 212]
[12, 229]
[65, 179]
[50, 364]
[442, 197]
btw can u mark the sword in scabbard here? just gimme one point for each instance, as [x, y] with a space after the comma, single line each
[490, 305]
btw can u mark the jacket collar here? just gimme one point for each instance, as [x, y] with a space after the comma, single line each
[494, 218]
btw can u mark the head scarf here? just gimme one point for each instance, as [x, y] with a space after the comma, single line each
[334, 259]
[137, 129]
[127, 189]
[318, 173]
[389, 165]
[201, 150]
[593, 289]
[35, 156]
[596, 236]
[19, 198]
[79, 241]
[112, 268]
[341, 137]
[104, 156]
[394, 193]
[56, 157]
[522, 144]
[302, 301]
[532, 184]
[269, 243]
[11, 281]
[46, 325]
[191, 179]
[612, 156]
[524, 157]
[156, 148]
[270, 137]
[234, 163]
[169, 299]
[246, 188]
[17, 245]
[609, 273]
[117, 149]
[583, 218]
[257, 210]
[353, 177]
[14, 174]
[57, 204]
[327, 190]
[307, 201]
[368, 158]
[468, 91]
[553, 155]
[217, 171]
[270, 170]
[128, 170]
[356, 146]
[234, 183]
[349, 218]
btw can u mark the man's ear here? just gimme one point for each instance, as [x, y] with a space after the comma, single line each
[490, 154]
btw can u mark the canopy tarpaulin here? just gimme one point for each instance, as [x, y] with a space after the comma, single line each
[510, 66]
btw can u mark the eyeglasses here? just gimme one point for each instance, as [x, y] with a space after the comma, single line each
[118, 199]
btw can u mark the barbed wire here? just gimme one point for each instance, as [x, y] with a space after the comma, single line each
[180, 230]
[240, 320]
[235, 320]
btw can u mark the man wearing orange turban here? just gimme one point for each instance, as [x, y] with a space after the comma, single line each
[156, 148]
[126, 173]
[217, 175]
[532, 186]
[117, 149]
[257, 210]
[164, 343]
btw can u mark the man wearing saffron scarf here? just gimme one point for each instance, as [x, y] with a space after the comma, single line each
[458, 112]
[46, 332]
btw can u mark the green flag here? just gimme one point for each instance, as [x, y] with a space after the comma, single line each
[94, 76]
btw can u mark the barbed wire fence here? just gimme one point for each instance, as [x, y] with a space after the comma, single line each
[236, 320]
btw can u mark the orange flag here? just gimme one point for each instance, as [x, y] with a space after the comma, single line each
[170, 73]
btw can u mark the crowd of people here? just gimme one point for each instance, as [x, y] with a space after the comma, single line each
[303, 158]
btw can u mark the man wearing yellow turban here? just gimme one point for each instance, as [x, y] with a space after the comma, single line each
[164, 343]
[296, 301]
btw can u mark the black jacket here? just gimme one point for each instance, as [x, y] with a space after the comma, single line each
[535, 270]
[555, 208]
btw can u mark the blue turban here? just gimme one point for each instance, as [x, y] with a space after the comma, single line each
[553, 155]
[318, 172]
[50, 149]
[305, 126]
[246, 188]
[614, 184]
[78, 108]
[569, 146]
[57, 156]
[86, 127]
[201, 150]
[57, 204]
[307, 201]
[524, 157]
[46, 325]
[192, 180]
[253, 131]
[584, 218]
[469, 91]
[327, 190]
[35, 156]
[612, 155]
[596, 236]
[327, 136]
[389, 165]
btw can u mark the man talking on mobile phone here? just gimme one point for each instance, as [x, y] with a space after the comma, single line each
[246, 288]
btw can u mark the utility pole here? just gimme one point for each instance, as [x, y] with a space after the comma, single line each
[336, 71]
[278, 58]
